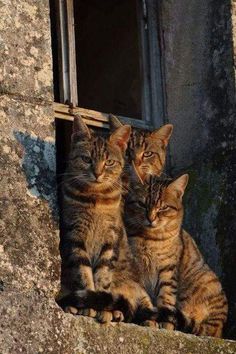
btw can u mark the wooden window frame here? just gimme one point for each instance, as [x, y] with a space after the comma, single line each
[151, 69]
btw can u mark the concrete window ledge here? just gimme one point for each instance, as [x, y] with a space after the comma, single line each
[32, 323]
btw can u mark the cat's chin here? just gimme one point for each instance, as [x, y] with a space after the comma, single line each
[98, 186]
[153, 229]
[98, 182]
[150, 225]
[150, 230]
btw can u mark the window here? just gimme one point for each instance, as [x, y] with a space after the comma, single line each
[106, 59]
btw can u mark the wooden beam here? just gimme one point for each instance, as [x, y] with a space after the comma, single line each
[71, 53]
[144, 59]
[152, 71]
[87, 120]
[156, 79]
[62, 40]
[94, 118]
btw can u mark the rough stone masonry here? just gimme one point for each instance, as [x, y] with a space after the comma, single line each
[31, 322]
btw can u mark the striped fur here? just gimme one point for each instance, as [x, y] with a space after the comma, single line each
[202, 302]
[94, 247]
[146, 150]
[173, 271]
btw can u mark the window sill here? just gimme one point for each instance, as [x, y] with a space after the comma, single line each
[94, 118]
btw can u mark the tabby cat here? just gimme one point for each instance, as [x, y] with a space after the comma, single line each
[146, 150]
[96, 259]
[172, 268]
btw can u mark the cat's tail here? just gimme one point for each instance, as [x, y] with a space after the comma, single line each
[97, 300]
[211, 326]
[186, 325]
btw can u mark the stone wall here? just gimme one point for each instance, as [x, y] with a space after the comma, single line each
[29, 259]
[31, 322]
[200, 89]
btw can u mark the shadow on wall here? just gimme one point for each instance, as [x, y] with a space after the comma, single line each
[39, 166]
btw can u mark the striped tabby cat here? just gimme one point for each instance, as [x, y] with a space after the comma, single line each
[146, 150]
[96, 259]
[172, 268]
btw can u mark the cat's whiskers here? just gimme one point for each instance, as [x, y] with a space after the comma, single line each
[68, 174]
[81, 178]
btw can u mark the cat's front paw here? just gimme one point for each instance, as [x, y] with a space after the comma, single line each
[104, 316]
[87, 312]
[150, 323]
[72, 310]
[167, 318]
[118, 316]
[167, 325]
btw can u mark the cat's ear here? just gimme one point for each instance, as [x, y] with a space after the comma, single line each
[80, 129]
[120, 137]
[163, 133]
[179, 185]
[114, 122]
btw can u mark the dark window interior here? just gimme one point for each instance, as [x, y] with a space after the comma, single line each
[107, 55]
[108, 60]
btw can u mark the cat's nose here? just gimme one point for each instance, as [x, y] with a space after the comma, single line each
[97, 174]
[151, 219]
[98, 170]
[152, 223]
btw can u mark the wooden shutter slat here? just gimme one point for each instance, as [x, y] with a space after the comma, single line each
[95, 118]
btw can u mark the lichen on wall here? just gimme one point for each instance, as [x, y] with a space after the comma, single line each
[39, 162]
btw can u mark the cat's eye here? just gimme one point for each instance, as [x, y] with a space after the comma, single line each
[86, 159]
[141, 204]
[164, 208]
[110, 162]
[147, 154]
